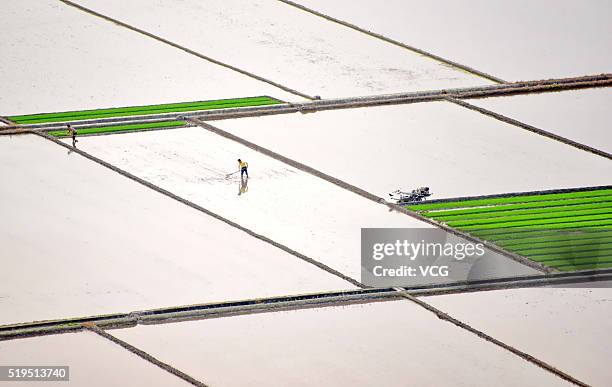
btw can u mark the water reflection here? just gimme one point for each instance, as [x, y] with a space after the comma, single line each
[243, 187]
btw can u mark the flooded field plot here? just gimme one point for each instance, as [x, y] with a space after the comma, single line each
[514, 40]
[566, 327]
[454, 151]
[294, 208]
[289, 46]
[79, 240]
[58, 58]
[93, 361]
[393, 343]
[581, 115]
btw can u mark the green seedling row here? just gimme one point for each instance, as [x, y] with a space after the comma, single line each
[541, 257]
[540, 210]
[533, 243]
[577, 215]
[578, 260]
[582, 221]
[510, 200]
[546, 250]
[585, 266]
[120, 128]
[553, 227]
[143, 110]
[518, 233]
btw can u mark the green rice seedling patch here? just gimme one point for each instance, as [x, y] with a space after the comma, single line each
[143, 110]
[566, 231]
[120, 128]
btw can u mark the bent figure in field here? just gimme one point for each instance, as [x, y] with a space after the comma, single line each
[243, 165]
[72, 132]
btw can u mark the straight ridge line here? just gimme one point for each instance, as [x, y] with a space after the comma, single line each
[185, 49]
[142, 354]
[523, 355]
[528, 87]
[368, 195]
[531, 128]
[296, 300]
[204, 210]
[194, 312]
[292, 302]
[394, 42]
[537, 87]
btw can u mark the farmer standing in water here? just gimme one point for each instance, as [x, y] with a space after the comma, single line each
[72, 132]
[243, 165]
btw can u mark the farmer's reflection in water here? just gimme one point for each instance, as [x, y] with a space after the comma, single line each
[243, 188]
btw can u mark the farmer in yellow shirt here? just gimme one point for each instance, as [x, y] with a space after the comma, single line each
[243, 165]
[72, 132]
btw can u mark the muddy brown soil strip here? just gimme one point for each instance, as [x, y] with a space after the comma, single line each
[370, 196]
[446, 317]
[142, 354]
[204, 210]
[529, 87]
[531, 128]
[394, 42]
[185, 49]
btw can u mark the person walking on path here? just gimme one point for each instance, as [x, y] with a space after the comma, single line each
[72, 132]
[243, 165]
